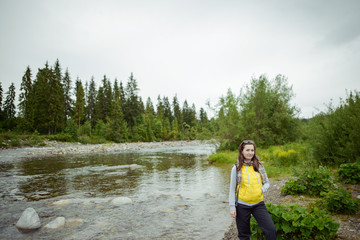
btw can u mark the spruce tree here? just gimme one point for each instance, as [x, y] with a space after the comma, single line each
[159, 109]
[122, 97]
[100, 105]
[178, 117]
[56, 103]
[68, 102]
[25, 102]
[1, 100]
[91, 103]
[41, 94]
[9, 105]
[118, 129]
[79, 106]
[133, 107]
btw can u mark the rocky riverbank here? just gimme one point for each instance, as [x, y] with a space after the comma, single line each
[54, 148]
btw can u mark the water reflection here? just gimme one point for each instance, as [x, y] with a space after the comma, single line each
[111, 174]
[176, 195]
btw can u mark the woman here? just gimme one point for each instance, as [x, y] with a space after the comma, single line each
[247, 184]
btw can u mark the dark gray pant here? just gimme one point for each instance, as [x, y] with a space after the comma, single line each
[262, 216]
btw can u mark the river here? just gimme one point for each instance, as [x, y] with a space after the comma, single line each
[175, 194]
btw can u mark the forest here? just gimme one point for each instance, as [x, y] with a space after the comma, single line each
[52, 105]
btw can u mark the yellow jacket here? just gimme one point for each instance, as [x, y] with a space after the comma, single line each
[249, 190]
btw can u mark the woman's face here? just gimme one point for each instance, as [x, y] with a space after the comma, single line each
[248, 151]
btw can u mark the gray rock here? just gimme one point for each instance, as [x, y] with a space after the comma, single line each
[28, 221]
[56, 224]
[358, 197]
[121, 200]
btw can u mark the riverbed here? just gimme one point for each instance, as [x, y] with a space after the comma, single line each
[175, 193]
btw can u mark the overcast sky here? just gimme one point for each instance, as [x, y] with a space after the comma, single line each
[195, 49]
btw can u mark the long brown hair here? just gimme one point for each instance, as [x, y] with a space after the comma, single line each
[241, 157]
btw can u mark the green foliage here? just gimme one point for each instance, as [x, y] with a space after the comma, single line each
[262, 112]
[339, 201]
[266, 114]
[292, 154]
[71, 129]
[61, 137]
[312, 182]
[100, 129]
[12, 139]
[295, 222]
[85, 129]
[349, 172]
[91, 140]
[223, 157]
[336, 135]
[9, 104]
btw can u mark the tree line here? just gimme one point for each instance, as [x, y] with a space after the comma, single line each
[262, 111]
[49, 104]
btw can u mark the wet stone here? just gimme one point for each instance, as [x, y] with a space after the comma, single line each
[57, 224]
[28, 221]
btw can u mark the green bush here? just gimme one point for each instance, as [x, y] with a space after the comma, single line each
[91, 140]
[311, 182]
[85, 129]
[296, 222]
[71, 129]
[62, 137]
[224, 157]
[336, 134]
[339, 201]
[349, 173]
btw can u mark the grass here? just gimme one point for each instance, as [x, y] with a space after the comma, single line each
[11, 139]
[279, 161]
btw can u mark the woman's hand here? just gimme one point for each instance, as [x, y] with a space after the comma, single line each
[233, 213]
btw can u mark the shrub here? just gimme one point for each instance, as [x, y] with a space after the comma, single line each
[62, 137]
[85, 129]
[295, 222]
[349, 172]
[223, 157]
[339, 201]
[311, 182]
[71, 129]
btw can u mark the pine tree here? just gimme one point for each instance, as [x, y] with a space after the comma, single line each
[108, 94]
[41, 94]
[178, 117]
[25, 101]
[1, 100]
[9, 105]
[149, 109]
[68, 102]
[56, 106]
[160, 109]
[91, 103]
[167, 109]
[118, 130]
[116, 91]
[122, 97]
[100, 105]
[133, 106]
[79, 106]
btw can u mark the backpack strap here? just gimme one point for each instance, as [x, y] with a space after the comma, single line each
[237, 183]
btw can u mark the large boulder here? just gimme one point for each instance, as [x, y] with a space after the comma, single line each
[28, 221]
[56, 224]
[121, 200]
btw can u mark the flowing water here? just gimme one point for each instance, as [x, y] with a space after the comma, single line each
[175, 194]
